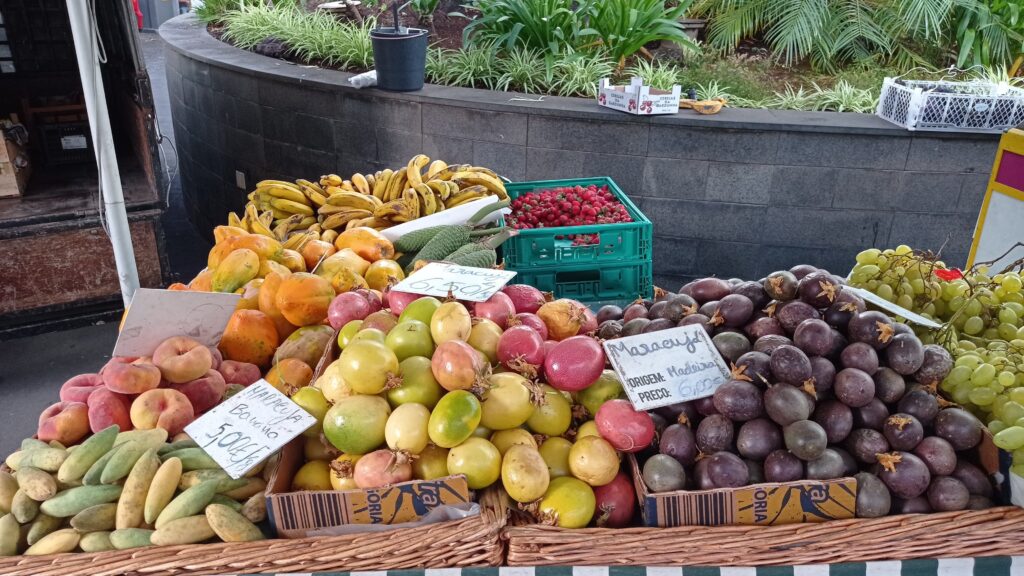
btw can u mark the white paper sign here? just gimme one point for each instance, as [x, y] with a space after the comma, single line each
[156, 315]
[668, 366]
[247, 428]
[893, 309]
[463, 282]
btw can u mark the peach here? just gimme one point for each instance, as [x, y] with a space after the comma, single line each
[106, 408]
[217, 358]
[78, 388]
[235, 372]
[182, 359]
[204, 393]
[130, 378]
[162, 408]
[65, 422]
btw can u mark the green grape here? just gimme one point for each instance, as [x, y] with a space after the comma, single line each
[959, 375]
[983, 374]
[902, 250]
[998, 403]
[1006, 332]
[990, 334]
[949, 291]
[1020, 333]
[962, 393]
[1008, 316]
[873, 284]
[948, 385]
[1011, 438]
[1011, 412]
[914, 273]
[905, 300]
[1019, 422]
[869, 256]
[971, 361]
[996, 426]
[1012, 282]
[981, 396]
[1000, 292]
[929, 310]
[884, 292]
[864, 273]
[957, 302]
[932, 289]
[1020, 377]
[940, 308]
[904, 288]
[973, 307]
[917, 285]
[967, 345]
[1017, 308]
[974, 325]
[1014, 298]
[1006, 379]
[1017, 395]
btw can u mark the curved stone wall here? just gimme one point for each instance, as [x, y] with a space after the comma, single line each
[740, 193]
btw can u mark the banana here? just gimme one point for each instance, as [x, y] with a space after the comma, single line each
[293, 194]
[371, 179]
[487, 171]
[347, 186]
[435, 167]
[317, 198]
[440, 189]
[283, 227]
[291, 206]
[358, 223]
[428, 202]
[361, 184]
[450, 171]
[312, 191]
[234, 220]
[396, 211]
[330, 180]
[414, 169]
[342, 218]
[277, 214]
[267, 219]
[396, 186]
[306, 222]
[272, 183]
[315, 228]
[327, 209]
[298, 239]
[376, 223]
[311, 185]
[329, 236]
[355, 200]
[492, 184]
[466, 195]
[381, 184]
[257, 225]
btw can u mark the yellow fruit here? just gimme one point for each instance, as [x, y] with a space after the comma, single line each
[383, 273]
[235, 270]
[313, 475]
[342, 469]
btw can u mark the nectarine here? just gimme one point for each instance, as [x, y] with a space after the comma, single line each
[134, 377]
[65, 422]
[162, 408]
[182, 359]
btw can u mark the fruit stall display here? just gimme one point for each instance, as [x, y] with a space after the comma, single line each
[983, 325]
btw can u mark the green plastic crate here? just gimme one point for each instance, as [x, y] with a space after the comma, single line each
[630, 241]
[614, 282]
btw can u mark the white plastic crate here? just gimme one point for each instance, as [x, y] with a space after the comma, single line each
[945, 106]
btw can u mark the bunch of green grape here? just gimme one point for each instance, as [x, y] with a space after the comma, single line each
[983, 327]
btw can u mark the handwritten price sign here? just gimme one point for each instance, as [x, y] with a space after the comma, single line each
[464, 283]
[668, 366]
[248, 427]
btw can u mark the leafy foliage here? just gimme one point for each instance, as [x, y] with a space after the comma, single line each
[990, 33]
[425, 8]
[551, 26]
[624, 26]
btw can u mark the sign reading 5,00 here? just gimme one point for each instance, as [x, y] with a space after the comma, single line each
[668, 366]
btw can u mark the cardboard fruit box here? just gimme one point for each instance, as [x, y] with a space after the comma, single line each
[637, 99]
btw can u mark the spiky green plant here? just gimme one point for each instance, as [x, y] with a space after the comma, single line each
[579, 74]
[624, 26]
[523, 70]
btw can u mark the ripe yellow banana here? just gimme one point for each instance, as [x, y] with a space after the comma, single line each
[283, 227]
[381, 185]
[428, 202]
[306, 222]
[272, 183]
[285, 193]
[360, 184]
[487, 171]
[307, 184]
[371, 179]
[450, 171]
[435, 167]
[312, 191]
[355, 200]
[340, 219]
[466, 195]
[400, 210]
[396, 186]
[330, 180]
[234, 220]
[257, 226]
[414, 169]
[492, 184]
[440, 189]
[291, 206]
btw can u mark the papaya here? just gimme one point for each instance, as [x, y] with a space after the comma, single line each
[347, 280]
[250, 294]
[267, 302]
[370, 244]
[203, 282]
[264, 246]
[303, 298]
[222, 233]
[235, 270]
[289, 374]
[314, 251]
[293, 260]
[383, 273]
[306, 344]
[268, 266]
[346, 258]
[250, 336]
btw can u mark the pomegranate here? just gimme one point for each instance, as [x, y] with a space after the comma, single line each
[346, 307]
[497, 309]
[397, 301]
[574, 363]
[382, 468]
[615, 502]
[531, 320]
[525, 298]
[627, 429]
[521, 348]
[563, 317]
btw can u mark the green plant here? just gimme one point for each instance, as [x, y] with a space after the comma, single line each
[472, 66]
[425, 8]
[524, 70]
[659, 75]
[578, 74]
[624, 26]
[844, 98]
[990, 33]
[792, 99]
[551, 26]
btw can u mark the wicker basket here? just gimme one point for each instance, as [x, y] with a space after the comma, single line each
[474, 541]
[992, 532]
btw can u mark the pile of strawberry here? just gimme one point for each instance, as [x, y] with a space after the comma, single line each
[568, 206]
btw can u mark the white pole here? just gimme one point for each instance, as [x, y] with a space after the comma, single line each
[84, 32]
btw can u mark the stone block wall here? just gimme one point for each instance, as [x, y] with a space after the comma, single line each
[741, 193]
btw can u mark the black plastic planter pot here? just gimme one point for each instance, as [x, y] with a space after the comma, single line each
[400, 57]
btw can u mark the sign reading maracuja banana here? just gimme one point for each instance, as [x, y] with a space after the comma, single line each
[462, 282]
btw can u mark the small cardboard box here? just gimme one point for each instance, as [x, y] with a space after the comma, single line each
[302, 514]
[14, 169]
[761, 504]
[638, 99]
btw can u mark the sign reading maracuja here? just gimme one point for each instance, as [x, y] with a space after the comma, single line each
[668, 366]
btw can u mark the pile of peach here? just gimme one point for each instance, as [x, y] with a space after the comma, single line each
[180, 381]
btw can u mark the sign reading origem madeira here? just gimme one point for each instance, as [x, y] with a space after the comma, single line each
[247, 428]
[668, 366]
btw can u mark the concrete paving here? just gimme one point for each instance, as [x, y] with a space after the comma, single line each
[33, 368]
